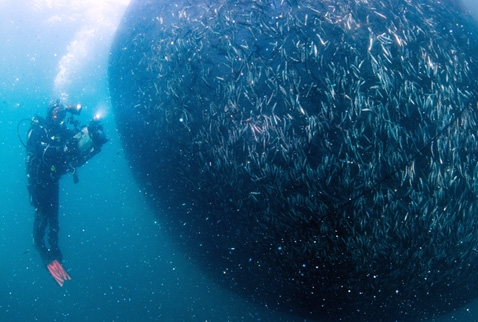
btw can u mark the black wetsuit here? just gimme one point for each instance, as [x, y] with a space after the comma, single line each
[47, 160]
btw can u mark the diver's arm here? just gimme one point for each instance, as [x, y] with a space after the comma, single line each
[54, 152]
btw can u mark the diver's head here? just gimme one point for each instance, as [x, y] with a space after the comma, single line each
[56, 112]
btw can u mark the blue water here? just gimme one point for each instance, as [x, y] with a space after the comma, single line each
[123, 265]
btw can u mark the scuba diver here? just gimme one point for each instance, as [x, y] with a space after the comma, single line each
[53, 150]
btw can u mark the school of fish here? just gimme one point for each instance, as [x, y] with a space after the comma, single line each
[318, 157]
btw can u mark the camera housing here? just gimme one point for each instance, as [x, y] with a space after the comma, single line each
[88, 142]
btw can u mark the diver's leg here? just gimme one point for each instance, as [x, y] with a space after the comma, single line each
[54, 227]
[39, 227]
[37, 194]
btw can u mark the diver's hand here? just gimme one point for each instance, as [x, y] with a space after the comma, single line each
[71, 147]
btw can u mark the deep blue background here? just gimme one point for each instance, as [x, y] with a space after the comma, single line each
[123, 265]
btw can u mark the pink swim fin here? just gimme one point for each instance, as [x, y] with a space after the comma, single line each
[58, 272]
